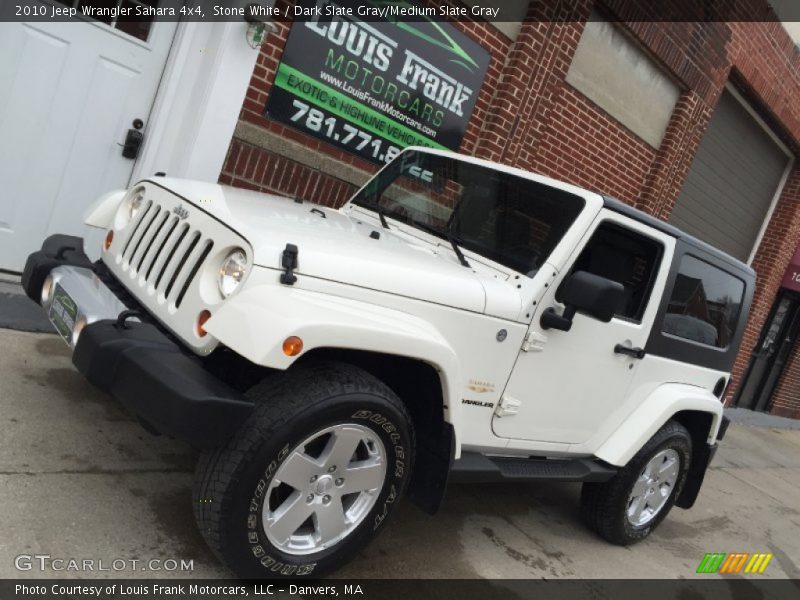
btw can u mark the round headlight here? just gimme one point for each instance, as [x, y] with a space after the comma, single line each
[136, 204]
[128, 209]
[232, 272]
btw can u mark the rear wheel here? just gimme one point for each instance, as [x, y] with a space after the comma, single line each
[627, 508]
[310, 478]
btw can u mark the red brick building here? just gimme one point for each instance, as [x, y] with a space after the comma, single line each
[542, 108]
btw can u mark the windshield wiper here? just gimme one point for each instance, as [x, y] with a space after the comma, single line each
[379, 210]
[448, 236]
[456, 249]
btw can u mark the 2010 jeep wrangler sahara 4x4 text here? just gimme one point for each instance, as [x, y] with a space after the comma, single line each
[456, 320]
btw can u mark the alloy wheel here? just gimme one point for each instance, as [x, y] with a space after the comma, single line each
[653, 487]
[324, 489]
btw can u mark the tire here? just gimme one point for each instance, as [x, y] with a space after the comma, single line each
[611, 508]
[240, 492]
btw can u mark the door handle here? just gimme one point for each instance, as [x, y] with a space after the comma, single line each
[133, 141]
[632, 352]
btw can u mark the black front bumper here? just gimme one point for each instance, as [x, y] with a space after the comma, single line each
[57, 250]
[141, 366]
[158, 382]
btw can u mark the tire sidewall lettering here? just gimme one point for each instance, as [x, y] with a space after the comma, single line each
[394, 437]
[253, 526]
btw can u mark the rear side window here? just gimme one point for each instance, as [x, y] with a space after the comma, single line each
[704, 304]
[626, 257]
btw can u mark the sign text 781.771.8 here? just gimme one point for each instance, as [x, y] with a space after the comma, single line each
[346, 134]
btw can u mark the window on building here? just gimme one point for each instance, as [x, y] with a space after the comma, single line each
[617, 75]
[704, 304]
[626, 257]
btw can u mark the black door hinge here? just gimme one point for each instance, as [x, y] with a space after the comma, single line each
[289, 262]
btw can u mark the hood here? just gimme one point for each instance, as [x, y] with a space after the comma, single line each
[339, 247]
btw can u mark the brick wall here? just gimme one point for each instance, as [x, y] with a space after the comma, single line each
[253, 168]
[527, 115]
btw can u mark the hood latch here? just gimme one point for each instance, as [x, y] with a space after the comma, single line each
[289, 262]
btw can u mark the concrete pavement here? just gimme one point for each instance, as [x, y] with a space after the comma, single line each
[79, 478]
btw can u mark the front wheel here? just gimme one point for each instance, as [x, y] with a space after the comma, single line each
[310, 478]
[627, 508]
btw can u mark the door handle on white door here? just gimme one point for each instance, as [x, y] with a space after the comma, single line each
[133, 142]
[632, 352]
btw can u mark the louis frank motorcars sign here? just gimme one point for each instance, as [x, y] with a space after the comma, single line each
[374, 87]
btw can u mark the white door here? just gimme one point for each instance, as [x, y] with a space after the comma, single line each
[571, 383]
[69, 93]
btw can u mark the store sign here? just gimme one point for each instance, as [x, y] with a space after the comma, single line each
[791, 279]
[374, 87]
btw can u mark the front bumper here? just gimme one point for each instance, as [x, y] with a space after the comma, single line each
[158, 382]
[136, 362]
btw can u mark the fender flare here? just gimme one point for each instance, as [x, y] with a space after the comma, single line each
[256, 321]
[101, 212]
[649, 416]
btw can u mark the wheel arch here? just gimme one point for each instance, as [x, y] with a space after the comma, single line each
[698, 423]
[255, 322]
[695, 408]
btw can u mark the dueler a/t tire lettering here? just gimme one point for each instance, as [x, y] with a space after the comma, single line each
[231, 481]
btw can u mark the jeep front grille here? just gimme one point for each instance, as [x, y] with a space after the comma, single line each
[163, 253]
[168, 257]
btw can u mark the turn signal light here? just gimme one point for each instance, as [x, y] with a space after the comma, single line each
[202, 318]
[292, 346]
[109, 239]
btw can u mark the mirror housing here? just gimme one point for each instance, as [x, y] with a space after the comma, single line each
[592, 295]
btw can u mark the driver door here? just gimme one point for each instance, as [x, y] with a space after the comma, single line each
[569, 384]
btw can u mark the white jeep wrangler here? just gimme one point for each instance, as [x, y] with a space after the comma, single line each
[456, 320]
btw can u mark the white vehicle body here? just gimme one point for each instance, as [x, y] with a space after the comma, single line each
[406, 294]
[455, 320]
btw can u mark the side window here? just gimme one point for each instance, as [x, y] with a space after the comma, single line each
[704, 304]
[624, 256]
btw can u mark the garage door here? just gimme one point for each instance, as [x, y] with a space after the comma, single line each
[732, 181]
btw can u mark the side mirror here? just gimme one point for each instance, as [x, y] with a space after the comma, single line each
[590, 294]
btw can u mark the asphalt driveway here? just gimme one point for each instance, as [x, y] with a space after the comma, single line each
[79, 478]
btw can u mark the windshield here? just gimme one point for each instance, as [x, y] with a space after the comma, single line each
[511, 220]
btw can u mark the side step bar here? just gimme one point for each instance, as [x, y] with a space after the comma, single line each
[474, 467]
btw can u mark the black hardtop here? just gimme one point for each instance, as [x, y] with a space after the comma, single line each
[724, 261]
[661, 342]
